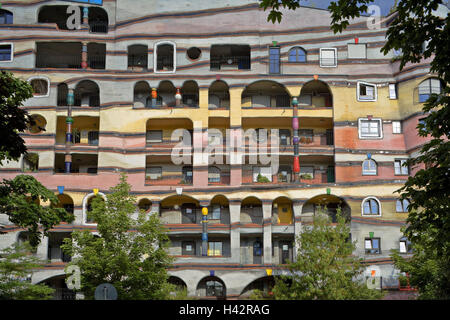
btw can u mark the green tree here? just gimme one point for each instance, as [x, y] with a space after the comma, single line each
[13, 119]
[16, 265]
[21, 199]
[419, 33]
[324, 268]
[129, 253]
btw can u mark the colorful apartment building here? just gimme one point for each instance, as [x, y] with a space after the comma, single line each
[114, 79]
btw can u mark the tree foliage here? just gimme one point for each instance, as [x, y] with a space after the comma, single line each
[13, 119]
[324, 268]
[419, 33]
[22, 199]
[129, 253]
[16, 265]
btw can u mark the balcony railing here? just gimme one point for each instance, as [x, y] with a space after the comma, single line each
[96, 61]
[58, 61]
[230, 62]
[63, 294]
[98, 27]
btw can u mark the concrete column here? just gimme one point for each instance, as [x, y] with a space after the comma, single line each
[267, 233]
[42, 249]
[200, 161]
[234, 156]
[155, 207]
[235, 232]
[297, 207]
[84, 55]
[69, 122]
[86, 16]
[203, 98]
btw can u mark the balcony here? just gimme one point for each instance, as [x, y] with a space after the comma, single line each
[57, 14]
[81, 163]
[230, 57]
[219, 95]
[55, 253]
[313, 170]
[68, 55]
[85, 131]
[160, 170]
[315, 94]
[265, 94]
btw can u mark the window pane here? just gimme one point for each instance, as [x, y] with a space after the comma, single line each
[398, 206]
[366, 207]
[373, 206]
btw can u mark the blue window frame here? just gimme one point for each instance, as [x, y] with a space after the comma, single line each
[274, 60]
[5, 52]
[297, 55]
[100, 2]
[6, 17]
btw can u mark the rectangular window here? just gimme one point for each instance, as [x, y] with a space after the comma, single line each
[214, 249]
[400, 168]
[6, 52]
[392, 91]
[370, 128]
[274, 60]
[285, 137]
[154, 136]
[366, 91]
[396, 127]
[188, 248]
[372, 245]
[328, 57]
[154, 173]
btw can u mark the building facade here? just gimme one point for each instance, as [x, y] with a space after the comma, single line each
[114, 80]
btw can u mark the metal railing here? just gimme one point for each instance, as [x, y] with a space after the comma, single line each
[63, 294]
[96, 61]
[238, 62]
[98, 27]
[58, 61]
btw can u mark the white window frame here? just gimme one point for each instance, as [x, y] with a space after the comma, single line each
[402, 203]
[84, 205]
[402, 173]
[396, 127]
[370, 172]
[12, 51]
[393, 91]
[358, 88]
[361, 136]
[371, 215]
[335, 58]
[155, 56]
[41, 78]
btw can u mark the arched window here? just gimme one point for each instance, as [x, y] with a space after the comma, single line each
[402, 205]
[40, 85]
[369, 167]
[6, 17]
[371, 207]
[297, 54]
[87, 206]
[213, 174]
[428, 87]
[165, 57]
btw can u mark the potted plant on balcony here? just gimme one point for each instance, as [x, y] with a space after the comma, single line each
[262, 179]
[306, 176]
